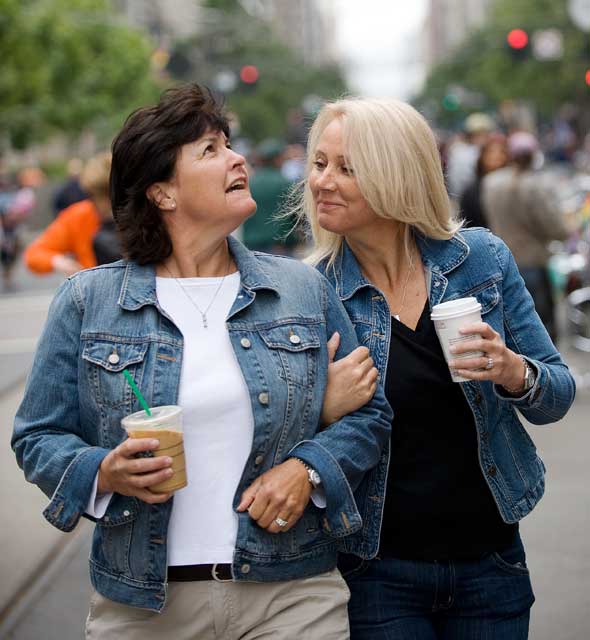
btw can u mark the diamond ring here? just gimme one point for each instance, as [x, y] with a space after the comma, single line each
[490, 364]
[281, 522]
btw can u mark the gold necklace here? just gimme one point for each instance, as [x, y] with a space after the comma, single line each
[193, 302]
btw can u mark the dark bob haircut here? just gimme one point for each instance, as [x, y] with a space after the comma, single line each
[144, 152]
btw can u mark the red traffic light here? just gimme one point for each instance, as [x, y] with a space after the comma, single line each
[249, 74]
[588, 77]
[518, 39]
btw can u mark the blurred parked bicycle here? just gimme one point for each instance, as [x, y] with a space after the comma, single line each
[570, 266]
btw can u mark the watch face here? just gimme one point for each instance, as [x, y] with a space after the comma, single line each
[314, 477]
[529, 378]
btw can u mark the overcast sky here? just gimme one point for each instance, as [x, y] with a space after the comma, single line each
[379, 43]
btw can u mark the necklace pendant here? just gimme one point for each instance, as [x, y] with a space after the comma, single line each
[204, 318]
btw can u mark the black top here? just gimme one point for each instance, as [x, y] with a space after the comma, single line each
[438, 505]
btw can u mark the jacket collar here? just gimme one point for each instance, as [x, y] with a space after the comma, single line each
[441, 256]
[139, 282]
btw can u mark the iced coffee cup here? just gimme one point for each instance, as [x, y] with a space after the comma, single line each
[448, 318]
[165, 425]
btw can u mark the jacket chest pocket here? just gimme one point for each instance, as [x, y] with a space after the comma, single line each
[487, 295]
[105, 362]
[294, 349]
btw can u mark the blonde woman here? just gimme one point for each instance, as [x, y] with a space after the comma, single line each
[439, 555]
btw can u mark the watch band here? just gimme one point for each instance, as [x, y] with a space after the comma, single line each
[312, 475]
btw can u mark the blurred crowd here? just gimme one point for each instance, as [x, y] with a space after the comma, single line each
[506, 180]
[512, 181]
[17, 199]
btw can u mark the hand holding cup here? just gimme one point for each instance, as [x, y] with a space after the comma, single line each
[123, 472]
[496, 363]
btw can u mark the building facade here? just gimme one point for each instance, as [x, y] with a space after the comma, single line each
[448, 23]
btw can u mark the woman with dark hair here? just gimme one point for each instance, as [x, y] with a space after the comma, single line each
[238, 340]
[493, 156]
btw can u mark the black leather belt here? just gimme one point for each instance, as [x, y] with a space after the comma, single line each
[194, 572]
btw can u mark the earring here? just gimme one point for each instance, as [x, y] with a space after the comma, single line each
[173, 204]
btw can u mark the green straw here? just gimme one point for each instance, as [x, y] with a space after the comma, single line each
[137, 392]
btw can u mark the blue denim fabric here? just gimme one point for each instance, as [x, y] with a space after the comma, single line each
[473, 263]
[485, 599]
[75, 398]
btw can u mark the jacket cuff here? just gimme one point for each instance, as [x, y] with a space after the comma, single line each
[70, 499]
[341, 517]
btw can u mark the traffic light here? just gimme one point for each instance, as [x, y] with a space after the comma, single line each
[587, 77]
[249, 75]
[518, 44]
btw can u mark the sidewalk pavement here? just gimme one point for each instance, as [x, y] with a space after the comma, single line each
[27, 540]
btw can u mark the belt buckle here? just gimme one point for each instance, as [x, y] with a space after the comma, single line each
[215, 576]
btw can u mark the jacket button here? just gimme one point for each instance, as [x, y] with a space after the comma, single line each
[106, 519]
[263, 398]
[245, 343]
[258, 459]
[294, 339]
[437, 284]
[245, 568]
[492, 470]
[114, 358]
[126, 513]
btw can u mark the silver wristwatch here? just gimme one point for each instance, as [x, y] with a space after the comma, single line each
[529, 375]
[312, 475]
[529, 379]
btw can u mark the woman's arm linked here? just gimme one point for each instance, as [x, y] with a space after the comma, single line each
[341, 453]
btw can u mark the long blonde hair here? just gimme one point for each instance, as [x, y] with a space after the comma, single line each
[395, 160]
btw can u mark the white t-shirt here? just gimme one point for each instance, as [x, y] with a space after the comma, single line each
[218, 421]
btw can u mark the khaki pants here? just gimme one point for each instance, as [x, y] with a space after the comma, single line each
[308, 609]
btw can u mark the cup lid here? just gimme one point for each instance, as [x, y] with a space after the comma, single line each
[455, 307]
[141, 418]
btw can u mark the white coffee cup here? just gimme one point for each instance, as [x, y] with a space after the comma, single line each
[448, 318]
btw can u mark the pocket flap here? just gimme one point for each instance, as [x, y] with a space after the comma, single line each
[292, 337]
[113, 356]
[121, 510]
[488, 298]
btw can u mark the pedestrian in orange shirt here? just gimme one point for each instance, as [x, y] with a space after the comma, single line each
[66, 246]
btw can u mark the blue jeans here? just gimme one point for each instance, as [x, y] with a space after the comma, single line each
[485, 599]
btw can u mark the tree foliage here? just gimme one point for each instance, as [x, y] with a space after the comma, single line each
[484, 63]
[237, 38]
[68, 65]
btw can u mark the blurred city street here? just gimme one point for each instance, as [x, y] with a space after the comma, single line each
[45, 589]
[502, 90]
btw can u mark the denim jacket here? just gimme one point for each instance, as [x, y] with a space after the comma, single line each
[473, 263]
[76, 396]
